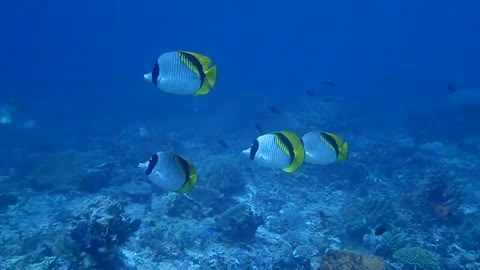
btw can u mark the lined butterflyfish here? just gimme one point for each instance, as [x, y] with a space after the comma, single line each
[279, 150]
[183, 73]
[170, 172]
[324, 148]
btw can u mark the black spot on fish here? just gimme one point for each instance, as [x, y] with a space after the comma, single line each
[381, 229]
[151, 164]
[273, 110]
[222, 143]
[310, 93]
[329, 83]
[254, 149]
[155, 73]
[451, 88]
[258, 127]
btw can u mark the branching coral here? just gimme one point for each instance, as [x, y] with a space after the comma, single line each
[305, 251]
[100, 228]
[419, 258]
[351, 260]
[367, 215]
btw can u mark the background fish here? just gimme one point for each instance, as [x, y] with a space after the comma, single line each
[171, 172]
[280, 150]
[183, 73]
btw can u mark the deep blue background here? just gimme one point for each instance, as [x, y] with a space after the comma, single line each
[79, 64]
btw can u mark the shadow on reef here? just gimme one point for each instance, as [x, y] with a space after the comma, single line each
[436, 198]
[7, 199]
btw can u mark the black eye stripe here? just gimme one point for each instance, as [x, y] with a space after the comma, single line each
[155, 73]
[151, 164]
[254, 149]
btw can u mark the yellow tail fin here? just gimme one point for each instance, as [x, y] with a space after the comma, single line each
[343, 152]
[205, 89]
[211, 75]
[192, 179]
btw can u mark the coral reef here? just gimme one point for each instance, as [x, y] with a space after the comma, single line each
[222, 173]
[65, 171]
[439, 196]
[470, 233]
[137, 191]
[367, 215]
[387, 196]
[185, 208]
[99, 230]
[305, 251]
[96, 178]
[351, 260]
[418, 258]
[238, 223]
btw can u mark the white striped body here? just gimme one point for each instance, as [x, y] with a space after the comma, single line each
[166, 173]
[270, 154]
[318, 150]
[175, 76]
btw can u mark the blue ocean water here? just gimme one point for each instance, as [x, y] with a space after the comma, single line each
[76, 70]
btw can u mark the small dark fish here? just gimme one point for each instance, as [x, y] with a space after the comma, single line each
[258, 127]
[12, 103]
[222, 143]
[451, 88]
[151, 223]
[274, 110]
[310, 93]
[328, 99]
[381, 229]
[330, 83]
